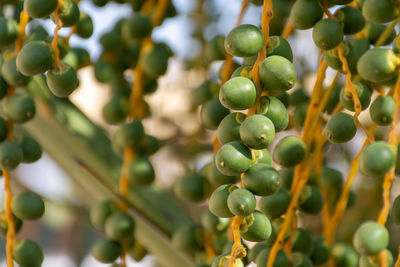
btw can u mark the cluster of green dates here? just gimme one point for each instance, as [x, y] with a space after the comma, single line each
[245, 137]
[119, 228]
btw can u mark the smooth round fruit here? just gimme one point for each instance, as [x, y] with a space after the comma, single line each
[259, 228]
[12, 75]
[244, 41]
[119, 226]
[106, 250]
[8, 31]
[275, 205]
[382, 109]
[215, 177]
[351, 18]
[228, 129]
[374, 261]
[277, 73]
[302, 241]
[311, 200]
[257, 131]
[19, 107]
[218, 203]
[358, 48]
[320, 251]
[275, 110]
[378, 65]
[330, 179]
[305, 13]
[299, 259]
[281, 259]
[27, 253]
[379, 11]
[340, 128]
[238, 93]
[241, 202]
[137, 26]
[373, 31]
[233, 158]
[62, 83]
[103, 71]
[203, 92]
[31, 149]
[212, 113]
[154, 61]
[192, 188]
[28, 206]
[214, 224]
[100, 213]
[363, 93]
[377, 159]
[332, 57]
[215, 48]
[129, 135]
[188, 238]
[344, 255]
[327, 34]
[261, 179]
[371, 238]
[141, 171]
[84, 27]
[40, 9]
[68, 13]
[278, 46]
[255, 251]
[116, 110]
[289, 151]
[262, 156]
[11, 155]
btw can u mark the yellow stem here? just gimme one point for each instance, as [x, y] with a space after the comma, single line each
[237, 220]
[288, 29]
[54, 43]
[23, 21]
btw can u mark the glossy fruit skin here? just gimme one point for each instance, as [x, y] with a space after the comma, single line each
[119, 226]
[188, 238]
[11, 155]
[344, 255]
[103, 71]
[311, 201]
[257, 131]
[69, 13]
[340, 128]
[321, 252]
[281, 259]
[370, 238]
[351, 18]
[233, 158]
[241, 202]
[373, 261]
[218, 203]
[379, 11]
[228, 129]
[327, 34]
[40, 8]
[302, 241]
[363, 92]
[299, 259]
[275, 205]
[238, 93]
[275, 110]
[100, 213]
[129, 135]
[381, 110]
[4, 224]
[278, 46]
[8, 31]
[358, 48]
[262, 156]
[373, 30]
[116, 110]
[141, 171]
[377, 65]
[19, 107]
[377, 159]
[212, 113]
[289, 151]
[106, 250]
[62, 84]
[84, 27]
[255, 251]
[332, 57]
[192, 188]
[11, 74]
[259, 229]
[212, 223]
[277, 73]
[27, 253]
[261, 179]
[215, 49]
[28, 206]
[244, 41]
[305, 13]
[31, 149]
[137, 26]
[215, 177]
